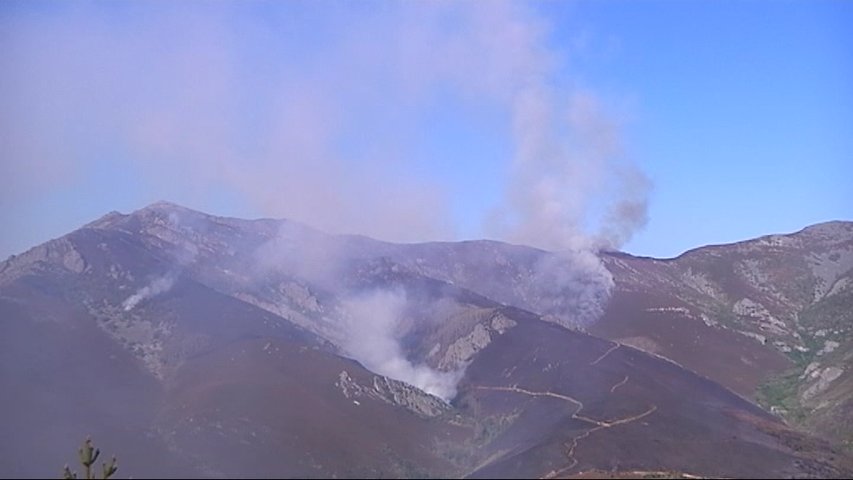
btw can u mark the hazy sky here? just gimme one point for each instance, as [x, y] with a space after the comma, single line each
[657, 126]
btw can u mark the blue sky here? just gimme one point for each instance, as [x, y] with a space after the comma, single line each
[654, 127]
[743, 112]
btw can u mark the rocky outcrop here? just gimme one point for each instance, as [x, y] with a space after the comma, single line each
[394, 392]
[823, 379]
[746, 307]
[464, 348]
[60, 252]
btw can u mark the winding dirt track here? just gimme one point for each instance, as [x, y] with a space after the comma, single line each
[623, 382]
[614, 347]
[598, 424]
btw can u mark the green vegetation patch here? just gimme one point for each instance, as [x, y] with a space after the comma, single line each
[779, 394]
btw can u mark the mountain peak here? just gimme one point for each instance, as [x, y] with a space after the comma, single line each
[106, 221]
[165, 205]
[160, 210]
[838, 229]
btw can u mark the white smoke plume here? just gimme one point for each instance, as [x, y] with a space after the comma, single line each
[572, 287]
[372, 339]
[572, 191]
[158, 286]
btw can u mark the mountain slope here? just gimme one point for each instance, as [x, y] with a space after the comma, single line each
[167, 385]
[770, 318]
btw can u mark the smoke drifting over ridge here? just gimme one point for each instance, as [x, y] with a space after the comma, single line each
[369, 322]
[333, 129]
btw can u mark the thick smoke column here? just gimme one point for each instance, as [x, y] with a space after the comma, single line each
[571, 191]
[157, 286]
[573, 287]
[572, 187]
[371, 329]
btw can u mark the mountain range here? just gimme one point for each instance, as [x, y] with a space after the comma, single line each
[193, 345]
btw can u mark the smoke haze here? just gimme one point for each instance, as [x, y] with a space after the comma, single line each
[300, 112]
[321, 115]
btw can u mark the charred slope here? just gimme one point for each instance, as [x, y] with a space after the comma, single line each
[556, 403]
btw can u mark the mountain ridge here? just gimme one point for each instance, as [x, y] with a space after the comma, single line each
[229, 314]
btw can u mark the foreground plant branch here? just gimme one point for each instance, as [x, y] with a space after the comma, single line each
[88, 456]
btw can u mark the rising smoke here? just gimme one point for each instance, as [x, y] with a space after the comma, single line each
[372, 337]
[572, 186]
[158, 286]
[573, 192]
